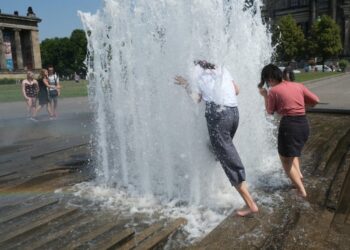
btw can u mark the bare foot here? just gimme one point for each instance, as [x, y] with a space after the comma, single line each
[247, 211]
[303, 194]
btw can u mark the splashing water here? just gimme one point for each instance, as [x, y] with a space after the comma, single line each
[151, 139]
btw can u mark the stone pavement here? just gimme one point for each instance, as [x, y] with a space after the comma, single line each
[334, 93]
[38, 158]
[12, 110]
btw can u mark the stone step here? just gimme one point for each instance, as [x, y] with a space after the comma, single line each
[2, 175]
[93, 233]
[161, 236]
[334, 193]
[327, 150]
[8, 201]
[54, 233]
[35, 181]
[25, 211]
[27, 228]
[141, 236]
[111, 241]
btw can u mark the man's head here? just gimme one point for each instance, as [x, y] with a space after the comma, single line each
[51, 70]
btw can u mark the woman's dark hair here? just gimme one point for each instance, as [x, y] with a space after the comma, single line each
[288, 74]
[270, 72]
[204, 64]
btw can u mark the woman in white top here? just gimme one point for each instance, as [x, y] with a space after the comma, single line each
[217, 88]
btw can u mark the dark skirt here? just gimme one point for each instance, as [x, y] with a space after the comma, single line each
[293, 133]
[43, 97]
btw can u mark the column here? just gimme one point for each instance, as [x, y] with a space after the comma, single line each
[347, 35]
[313, 12]
[2, 52]
[34, 35]
[334, 9]
[19, 55]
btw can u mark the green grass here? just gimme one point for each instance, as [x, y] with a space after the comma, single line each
[302, 77]
[13, 92]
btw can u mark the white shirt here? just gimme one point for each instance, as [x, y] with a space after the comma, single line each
[215, 85]
[53, 80]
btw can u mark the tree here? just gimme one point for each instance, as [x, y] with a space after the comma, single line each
[67, 55]
[288, 38]
[79, 44]
[325, 39]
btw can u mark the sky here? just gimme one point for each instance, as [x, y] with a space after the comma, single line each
[59, 17]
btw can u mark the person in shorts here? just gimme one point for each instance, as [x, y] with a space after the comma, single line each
[289, 100]
[53, 91]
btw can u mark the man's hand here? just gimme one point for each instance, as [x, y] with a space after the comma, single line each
[179, 80]
[263, 92]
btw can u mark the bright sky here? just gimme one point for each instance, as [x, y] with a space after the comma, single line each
[59, 17]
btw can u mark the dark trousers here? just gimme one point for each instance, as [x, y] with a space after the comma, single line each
[222, 124]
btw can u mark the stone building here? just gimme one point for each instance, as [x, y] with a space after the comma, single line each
[305, 12]
[19, 42]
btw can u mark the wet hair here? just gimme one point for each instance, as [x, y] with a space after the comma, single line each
[204, 64]
[270, 72]
[288, 74]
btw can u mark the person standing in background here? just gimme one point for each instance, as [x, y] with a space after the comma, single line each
[54, 91]
[30, 90]
[43, 93]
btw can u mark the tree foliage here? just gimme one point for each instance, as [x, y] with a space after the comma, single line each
[67, 55]
[325, 38]
[288, 38]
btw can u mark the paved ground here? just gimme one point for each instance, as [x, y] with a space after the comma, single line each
[334, 92]
[11, 110]
[36, 158]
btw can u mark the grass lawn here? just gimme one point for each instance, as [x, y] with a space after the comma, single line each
[302, 77]
[13, 92]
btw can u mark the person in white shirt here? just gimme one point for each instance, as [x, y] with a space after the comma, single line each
[214, 84]
[54, 91]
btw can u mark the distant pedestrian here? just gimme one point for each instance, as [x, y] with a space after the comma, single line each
[288, 74]
[43, 93]
[54, 91]
[76, 77]
[30, 91]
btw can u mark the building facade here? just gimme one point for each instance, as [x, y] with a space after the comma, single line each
[305, 12]
[19, 42]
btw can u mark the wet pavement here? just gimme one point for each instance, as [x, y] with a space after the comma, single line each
[334, 93]
[289, 222]
[37, 159]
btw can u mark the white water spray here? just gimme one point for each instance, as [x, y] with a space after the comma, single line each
[151, 139]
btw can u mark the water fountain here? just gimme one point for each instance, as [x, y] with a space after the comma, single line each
[151, 140]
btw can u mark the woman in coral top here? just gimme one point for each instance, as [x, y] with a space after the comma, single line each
[289, 100]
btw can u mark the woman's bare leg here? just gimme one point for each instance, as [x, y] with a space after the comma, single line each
[296, 164]
[29, 104]
[293, 174]
[33, 108]
[252, 207]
